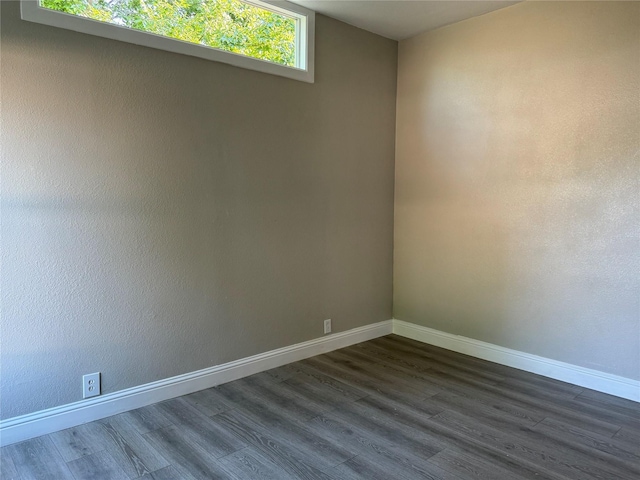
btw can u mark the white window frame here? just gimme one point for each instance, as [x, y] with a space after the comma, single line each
[305, 37]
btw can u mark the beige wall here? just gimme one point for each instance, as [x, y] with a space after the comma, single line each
[162, 213]
[517, 181]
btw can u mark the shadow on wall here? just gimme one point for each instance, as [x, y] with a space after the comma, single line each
[162, 214]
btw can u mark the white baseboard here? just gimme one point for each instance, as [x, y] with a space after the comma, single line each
[566, 372]
[21, 428]
[51, 420]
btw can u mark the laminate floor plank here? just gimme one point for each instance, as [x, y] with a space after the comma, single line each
[285, 456]
[366, 383]
[611, 413]
[448, 379]
[432, 472]
[419, 368]
[359, 468]
[378, 371]
[492, 420]
[387, 408]
[543, 407]
[626, 415]
[280, 374]
[310, 393]
[417, 378]
[167, 473]
[38, 459]
[311, 447]
[467, 465]
[207, 402]
[458, 440]
[603, 414]
[494, 417]
[400, 345]
[8, 470]
[547, 454]
[79, 441]
[376, 428]
[597, 462]
[628, 436]
[368, 468]
[307, 376]
[218, 442]
[442, 381]
[146, 419]
[130, 449]
[461, 389]
[426, 363]
[247, 401]
[269, 398]
[372, 388]
[628, 457]
[571, 415]
[461, 361]
[329, 392]
[610, 401]
[190, 459]
[377, 450]
[249, 463]
[610, 465]
[445, 380]
[308, 445]
[285, 396]
[97, 466]
[551, 389]
[496, 403]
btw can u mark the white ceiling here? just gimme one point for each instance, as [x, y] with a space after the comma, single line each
[400, 19]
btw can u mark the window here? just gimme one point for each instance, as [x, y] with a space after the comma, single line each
[276, 38]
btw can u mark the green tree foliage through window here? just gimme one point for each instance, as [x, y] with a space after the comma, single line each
[230, 25]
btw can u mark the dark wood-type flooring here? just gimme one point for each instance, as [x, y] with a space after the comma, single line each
[390, 408]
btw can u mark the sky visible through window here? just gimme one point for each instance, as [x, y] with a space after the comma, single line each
[229, 25]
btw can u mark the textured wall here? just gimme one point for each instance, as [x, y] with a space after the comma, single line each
[517, 169]
[162, 214]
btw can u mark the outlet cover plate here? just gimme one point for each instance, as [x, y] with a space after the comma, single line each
[91, 385]
[327, 326]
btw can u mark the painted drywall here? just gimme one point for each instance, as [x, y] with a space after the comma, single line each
[162, 214]
[517, 178]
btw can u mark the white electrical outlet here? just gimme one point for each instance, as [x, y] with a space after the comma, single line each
[91, 385]
[327, 326]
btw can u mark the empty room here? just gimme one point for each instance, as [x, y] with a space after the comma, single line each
[319, 239]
